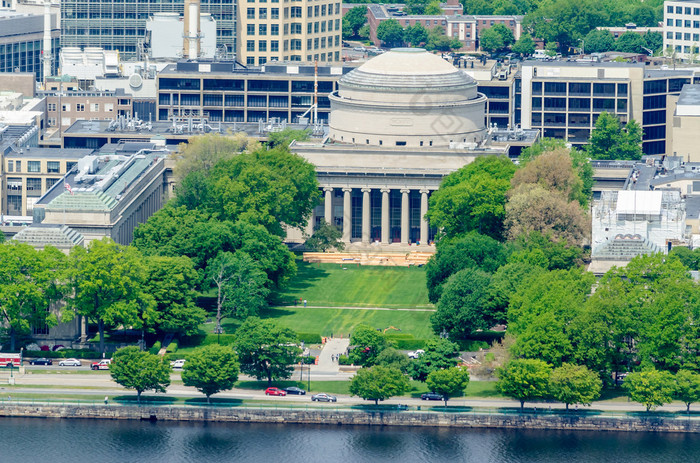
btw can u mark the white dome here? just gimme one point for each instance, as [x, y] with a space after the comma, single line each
[407, 61]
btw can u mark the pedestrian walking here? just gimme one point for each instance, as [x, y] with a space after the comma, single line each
[304, 302]
[106, 400]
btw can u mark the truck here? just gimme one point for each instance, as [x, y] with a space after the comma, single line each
[10, 360]
[101, 365]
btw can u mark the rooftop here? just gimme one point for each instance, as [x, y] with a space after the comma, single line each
[50, 153]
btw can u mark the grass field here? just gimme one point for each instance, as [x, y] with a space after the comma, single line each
[330, 285]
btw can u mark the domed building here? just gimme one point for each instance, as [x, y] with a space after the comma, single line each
[407, 97]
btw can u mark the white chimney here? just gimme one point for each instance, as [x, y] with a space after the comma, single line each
[47, 41]
[192, 33]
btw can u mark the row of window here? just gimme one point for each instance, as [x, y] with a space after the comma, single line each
[579, 88]
[253, 101]
[52, 167]
[311, 44]
[681, 23]
[580, 104]
[292, 12]
[323, 57]
[681, 10]
[294, 28]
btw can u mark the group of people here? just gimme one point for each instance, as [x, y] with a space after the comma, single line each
[335, 357]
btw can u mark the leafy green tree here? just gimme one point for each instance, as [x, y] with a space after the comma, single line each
[651, 388]
[104, 278]
[599, 41]
[390, 32]
[554, 171]
[473, 198]
[139, 370]
[524, 379]
[505, 33]
[30, 281]
[609, 140]
[202, 152]
[630, 42]
[574, 384]
[463, 305]
[354, 19]
[437, 40]
[433, 8]
[393, 358]
[449, 382]
[490, 40]
[171, 281]
[368, 344]
[690, 259]
[544, 251]
[524, 45]
[363, 33]
[454, 254]
[285, 137]
[416, 35]
[211, 369]
[325, 237]
[378, 383]
[266, 350]
[687, 387]
[439, 354]
[240, 285]
[653, 41]
[508, 280]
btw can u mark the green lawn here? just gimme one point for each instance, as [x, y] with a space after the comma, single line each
[327, 321]
[331, 285]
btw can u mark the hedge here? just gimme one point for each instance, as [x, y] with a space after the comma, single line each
[155, 348]
[309, 338]
[223, 339]
[172, 347]
[344, 360]
[406, 341]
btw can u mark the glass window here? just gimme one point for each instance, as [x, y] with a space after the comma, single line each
[262, 45]
[251, 13]
[53, 167]
[262, 13]
[33, 166]
[274, 29]
[621, 89]
[10, 166]
[537, 88]
[250, 46]
[262, 29]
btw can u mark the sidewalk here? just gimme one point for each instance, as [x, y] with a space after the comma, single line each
[333, 346]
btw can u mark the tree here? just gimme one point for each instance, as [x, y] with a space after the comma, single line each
[473, 198]
[599, 41]
[554, 171]
[690, 259]
[266, 350]
[630, 42]
[463, 305]
[504, 283]
[653, 41]
[546, 252]
[211, 369]
[574, 384]
[505, 33]
[30, 282]
[202, 152]
[285, 137]
[354, 19]
[437, 40]
[393, 358]
[325, 237]
[105, 277]
[439, 354]
[378, 383]
[368, 344]
[433, 8]
[687, 387]
[532, 208]
[454, 254]
[138, 370]
[651, 388]
[490, 40]
[416, 35]
[524, 379]
[449, 382]
[524, 46]
[363, 33]
[171, 281]
[609, 140]
[390, 32]
[240, 285]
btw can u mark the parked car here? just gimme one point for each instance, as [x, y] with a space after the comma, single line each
[41, 361]
[295, 390]
[416, 354]
[101, 365]
[275, 391]
[323, 397]
[362, 49]
[177, 363]
[431, 396]
[70, 363]
[345, 44]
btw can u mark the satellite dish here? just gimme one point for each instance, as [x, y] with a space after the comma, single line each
[135, 81]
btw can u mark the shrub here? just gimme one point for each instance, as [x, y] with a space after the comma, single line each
[309, 338]
[155, 348]
[405, 341]
[308, 360]
[172, 347]
[223, 339]
[344, 360]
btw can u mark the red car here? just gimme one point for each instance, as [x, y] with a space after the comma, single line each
[275, 391]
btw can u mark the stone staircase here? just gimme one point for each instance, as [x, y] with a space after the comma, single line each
[403, 259]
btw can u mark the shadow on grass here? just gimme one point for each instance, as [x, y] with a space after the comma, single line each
[306, 275]
[275, 312]
[217, 402]
[145, 400]
[261, 385]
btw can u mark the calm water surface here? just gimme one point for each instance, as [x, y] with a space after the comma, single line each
[58, 441]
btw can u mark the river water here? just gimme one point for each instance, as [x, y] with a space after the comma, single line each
[29, 440]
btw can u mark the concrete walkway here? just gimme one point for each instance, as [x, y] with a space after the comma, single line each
[350, 308]
[333, 346]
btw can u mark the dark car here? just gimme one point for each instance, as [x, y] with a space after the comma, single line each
[295, 390]
[323, 397]
[41, 361]
[431, 396]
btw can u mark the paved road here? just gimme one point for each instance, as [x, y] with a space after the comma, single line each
[332, 347]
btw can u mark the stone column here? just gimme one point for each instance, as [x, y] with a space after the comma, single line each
[328, 205]
[404, 216]
[385, 215]
[366, 215]
[423, 220]
[310, 224]
[347, 214]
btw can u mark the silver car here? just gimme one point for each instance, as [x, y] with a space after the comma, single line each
[69, 363]
[322, 397]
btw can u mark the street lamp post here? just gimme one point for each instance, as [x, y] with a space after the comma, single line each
[308, 376]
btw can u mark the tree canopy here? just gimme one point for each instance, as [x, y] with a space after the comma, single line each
[439, 354]
[378, 383]
[574, 384]
[390, 32]
[353, 20]
[524, 379]
[463, 305]
[211, 369]
[687, 387]
[266, 350]
[449, 382]
[610, 140]
[367, 344]
[651, 388]
[135, 369]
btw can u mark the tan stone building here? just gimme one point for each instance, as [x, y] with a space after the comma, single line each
[686, 125]
[306, 30]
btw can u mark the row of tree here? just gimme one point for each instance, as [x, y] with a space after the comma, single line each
[261, 349]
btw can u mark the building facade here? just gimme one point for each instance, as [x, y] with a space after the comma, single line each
[65, 108]
[21, 43]
[306, 30]
[682, 28]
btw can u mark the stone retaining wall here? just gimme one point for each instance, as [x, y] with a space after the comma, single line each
[350, 417]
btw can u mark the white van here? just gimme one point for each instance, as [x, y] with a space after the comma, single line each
[540, 54]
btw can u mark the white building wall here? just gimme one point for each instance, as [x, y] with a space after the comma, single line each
[681, 27]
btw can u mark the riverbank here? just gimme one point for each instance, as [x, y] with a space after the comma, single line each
[340, 417]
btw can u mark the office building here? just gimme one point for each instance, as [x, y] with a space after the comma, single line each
[21, 43]
[686, 125]
[306, 30]
[682, 28]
